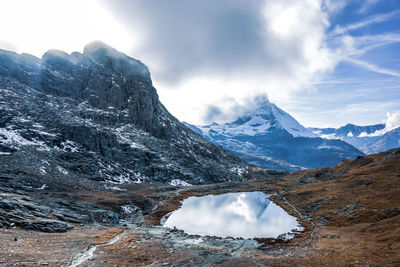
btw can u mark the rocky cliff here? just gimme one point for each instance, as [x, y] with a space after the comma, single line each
[91, 121]
[97, 115]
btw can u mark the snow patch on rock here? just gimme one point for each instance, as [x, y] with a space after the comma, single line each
[179, 182]
[128, 209]
[62, 170]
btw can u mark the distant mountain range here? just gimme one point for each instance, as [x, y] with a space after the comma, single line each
[369, 139]
[270, 138]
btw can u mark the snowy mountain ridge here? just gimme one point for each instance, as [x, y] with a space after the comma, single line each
[270, 138]
[369, 139]
[261, 120]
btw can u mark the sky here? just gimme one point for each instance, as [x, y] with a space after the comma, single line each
[326, 62]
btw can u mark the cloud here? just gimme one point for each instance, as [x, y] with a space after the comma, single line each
[391, 122]
[347, 46]
[5, 45]
[214, 113]
[209, 52]
[374, 68]
[334, 6]
[351, 48]
[370, 20]
[369, 42]
[367, 5]
[182, 37]
[36, 26]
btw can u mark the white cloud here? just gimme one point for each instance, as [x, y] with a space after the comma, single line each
[37, 26]
[289, 55]
[206, 54]
[367, 5]
[371, 20]
[5, 45]
[350, 48]
[391, 122]
[374, 68]
[334, 6]
[296, 33]
[368, 42]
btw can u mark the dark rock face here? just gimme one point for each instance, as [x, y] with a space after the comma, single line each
[99, 108]
[92, 121]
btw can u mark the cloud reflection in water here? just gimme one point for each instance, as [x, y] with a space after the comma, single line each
[247, 215]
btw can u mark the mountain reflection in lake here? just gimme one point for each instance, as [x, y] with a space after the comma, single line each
[246, 215]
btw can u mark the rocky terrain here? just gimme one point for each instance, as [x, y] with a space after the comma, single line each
[90, 122]
[91, 162]
[97, 116]
[351, 216]
[270, 138]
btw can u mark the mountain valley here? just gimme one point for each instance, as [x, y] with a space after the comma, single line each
[351, 210]
[92, 164]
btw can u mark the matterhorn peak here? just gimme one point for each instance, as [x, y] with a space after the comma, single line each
[262, 116]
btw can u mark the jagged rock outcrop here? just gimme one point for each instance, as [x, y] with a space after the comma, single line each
[92, 121]
[100, 106]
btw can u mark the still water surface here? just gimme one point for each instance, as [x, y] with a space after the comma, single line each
[246, 215]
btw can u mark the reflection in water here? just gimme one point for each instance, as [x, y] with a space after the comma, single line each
[245, 215]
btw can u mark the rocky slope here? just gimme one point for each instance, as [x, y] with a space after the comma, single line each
[389, 140]
[90, 122]
[67, 166]
[369, 139]
[96, 115]
[270, 138]
[351, 216]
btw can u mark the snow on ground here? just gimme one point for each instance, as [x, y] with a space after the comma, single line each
[44, 186]
[70, 146]
[128, 209]
[254, 126]
[62, 170]
[329, 147]
[238, 170]
[14, 138]
[42, 170]
[288, 123]
[114, 188]
[179, 182]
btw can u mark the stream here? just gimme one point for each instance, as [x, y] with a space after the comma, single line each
[88, 254]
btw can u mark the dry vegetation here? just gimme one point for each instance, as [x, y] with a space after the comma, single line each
[351, 213]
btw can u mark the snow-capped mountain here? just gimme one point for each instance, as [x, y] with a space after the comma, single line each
[264, 118]
[270, 138]
[387, 141]
[369, 139]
